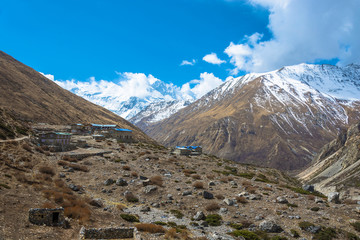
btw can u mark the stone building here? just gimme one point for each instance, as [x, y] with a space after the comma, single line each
[102, 127]
[109, 233]
[188, 150]
[47, 216]
[122, 135]
[80, 129]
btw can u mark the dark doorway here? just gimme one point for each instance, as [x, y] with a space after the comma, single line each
[55, 217]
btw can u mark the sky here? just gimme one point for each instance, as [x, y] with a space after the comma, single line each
[194, 44]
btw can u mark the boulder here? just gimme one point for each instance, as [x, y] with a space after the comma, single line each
[146, 182]
[270, 226]
[96, 203]
[281, 200]
[211, 183]
[319, 200]
[145, 209]
[309, 188]
[254, 197]
[150, 189]
[121, 182]
[187, 193]
[170, 197]
[108, 181]
[199, 216]
[143, 178]
[334, 197]
[229, 202]
[223, 210]
[208, 195]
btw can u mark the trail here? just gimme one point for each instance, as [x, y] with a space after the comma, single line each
[15, 139]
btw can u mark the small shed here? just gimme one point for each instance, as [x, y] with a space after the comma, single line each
[98, 137]
[102, 127]
[188, 150]
[54, 138]
[47, 216]
[123, 135]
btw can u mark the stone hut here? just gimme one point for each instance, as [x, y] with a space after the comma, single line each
[123, 135]
[80, 129]
[54, 138]
[188, 150]
[109, 233]
[102, 127]
[98, 137]
[47, 216]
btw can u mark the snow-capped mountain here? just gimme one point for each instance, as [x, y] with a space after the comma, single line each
[277, 119]
[119, 98]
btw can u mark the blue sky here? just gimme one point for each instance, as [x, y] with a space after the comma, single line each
[104, 40]
[79, 39]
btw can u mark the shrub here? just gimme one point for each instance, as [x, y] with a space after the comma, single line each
[198, 185]
[213, 219]
[236, 226]
[278, 238]
[251, 189]
[78, 211]
[292, 205]
[134, 174]
[305, 225]
[245, 234]
[129, 217]
[241, 200]
[159, 223]
[177, 213]
[39, 149]
[47, 170]
[157, 180]
[325, 234]
[3, 185]
[294, 233]
[150, 228]
[188, 172]
[130, 197]
[27, 147]
[315, 209]
[350, 201]
[212, 207]
[126, 168]
[356, 225]
[196, 176]
[219, 196]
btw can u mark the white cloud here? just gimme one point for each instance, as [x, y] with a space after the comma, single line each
[206, 83]
[185, 62]
[48, 76]
[213, 59]
[302, 31]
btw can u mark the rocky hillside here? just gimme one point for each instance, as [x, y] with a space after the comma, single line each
[337, 166]
[278, 119]
[163, 195]
[30, 96]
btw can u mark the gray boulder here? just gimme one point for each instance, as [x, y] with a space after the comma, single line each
[254, 197]
[270, 226]
[150, 189]
[281, 199]
[108, 181]
[199, 216]
[187, 193]
[208, 195]
[334, 197]
[229, 202]
[121, 182]
[308, 187]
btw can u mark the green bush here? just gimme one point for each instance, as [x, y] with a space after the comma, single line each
[304, 225]
[129, 217]
[278, 238]
[245, 234]
[236, 226]
[315, 209]
[177, 213]
[356, 225]
[325, 234]
[294, 233]
[213, 219]
[159, 223]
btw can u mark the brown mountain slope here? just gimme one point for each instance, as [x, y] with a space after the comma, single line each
[32, 97]
[337, 165]
[256, 119]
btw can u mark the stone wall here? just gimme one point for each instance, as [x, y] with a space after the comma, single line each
[47, 216]
[109, 233]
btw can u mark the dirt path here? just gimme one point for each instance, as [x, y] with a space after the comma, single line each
[15, 139]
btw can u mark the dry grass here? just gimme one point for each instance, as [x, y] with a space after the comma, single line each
[130, 197]
[188, 172]
[76, 167]
[157, 180]
[350, 201]
[311, 197]
[150, 228]
[198, 185]
[27, 147]
[241, 200]
[126, 168]
[246, 183]
[219, 196]
[251, 189]
[212, 207]
[134, 174]
[47, 170]
[224, 179]
[196, 176]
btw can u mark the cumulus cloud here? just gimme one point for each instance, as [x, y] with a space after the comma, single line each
[302, 31]
[185, 62]
[48, 76]
[213, 59]
[206, 83]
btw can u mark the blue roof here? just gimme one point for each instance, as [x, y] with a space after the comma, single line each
[188, 147]
[123, 130]
[102, 125]
[62, 133]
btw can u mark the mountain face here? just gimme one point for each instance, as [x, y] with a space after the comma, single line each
[30, 96]
[337, 165]
[277, 119]
[110, 96]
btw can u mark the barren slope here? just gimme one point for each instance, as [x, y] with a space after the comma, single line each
[32, 97]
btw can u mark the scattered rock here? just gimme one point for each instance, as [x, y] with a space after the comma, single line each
[233, 183]
[270, 226]
[199, 216]
[211, 183]
[319, 200]
[170, 197]
[254, 197]
[145, 209]
[229, 202]
[143, 178]
[308, 187]
[223, 210]
[334, 197]
[259, 217]
[243, 194]
[281, 199]
[121, 182]
[150, 188]
[156, 205]
[74, 187]
[204, 224]
[187, 192]
[208, 195]
[61, 175]
[146, 182]
[109, 181]
[96, 203]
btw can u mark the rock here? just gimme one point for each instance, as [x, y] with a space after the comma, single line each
[146, 182]
[259, 217]
[199, 216]
[178, 189]
[168, 175]
[61, 175]
[229, 202]
[156, 205]
[313, 229]
[357, 209]
[150, 188]
[243, 194]
[281, 199]
[96, 203]
[223, 210]
[145, 209]
[233, 183]
[170, 197]
[334, 197]
[121, 182]
[109, 181]
[211, 183]
[208, 195]
[270, 226]
[187, 192]
[204, 224]
[309, 188]
[143, 178]
[254, 197]
[74, 187]
[319, 200]
[219, 236]
[70, 169]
